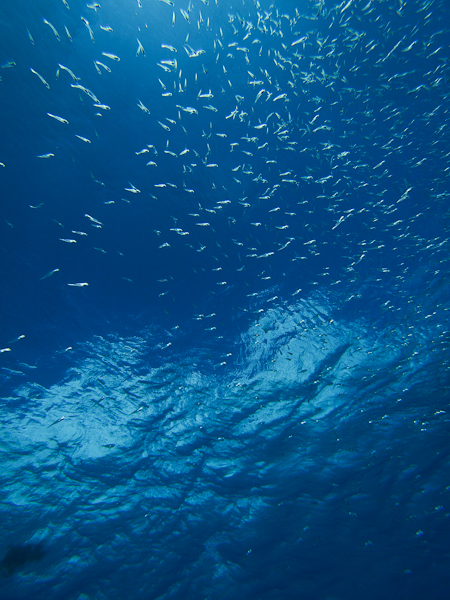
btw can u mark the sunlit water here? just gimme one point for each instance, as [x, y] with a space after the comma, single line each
[226, 374]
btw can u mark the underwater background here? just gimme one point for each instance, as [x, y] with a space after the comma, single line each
[224, 316]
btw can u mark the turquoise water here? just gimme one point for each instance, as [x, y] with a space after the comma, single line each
[224, 329]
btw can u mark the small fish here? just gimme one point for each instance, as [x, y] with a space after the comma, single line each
[41, 78]
[60, 119]
[74, 77]
[143, 107]
[185, 15]
[111, 56]
[132, 189]
[140, 49]
[91, 33]
[83, 138]
[49, 274]
[53, 29]
[92, 219]
[20, 337]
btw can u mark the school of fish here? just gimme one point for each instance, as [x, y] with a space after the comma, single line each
[267, 134]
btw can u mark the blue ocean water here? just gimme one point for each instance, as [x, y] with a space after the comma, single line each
[224, 337]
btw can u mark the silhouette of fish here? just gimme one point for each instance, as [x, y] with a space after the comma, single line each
[19, 555]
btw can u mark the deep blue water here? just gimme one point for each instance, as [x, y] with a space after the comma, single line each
[224, 327]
